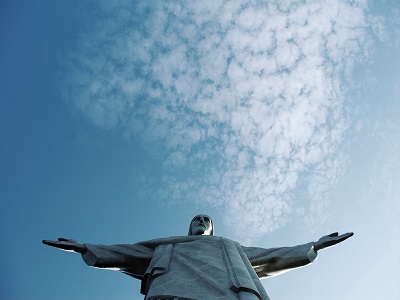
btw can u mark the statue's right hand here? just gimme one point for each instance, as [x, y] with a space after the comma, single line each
[66, 244]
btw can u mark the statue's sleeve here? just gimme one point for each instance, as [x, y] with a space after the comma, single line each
[274, 261]
[132, 259]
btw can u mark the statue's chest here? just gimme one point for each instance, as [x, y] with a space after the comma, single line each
[197, 270]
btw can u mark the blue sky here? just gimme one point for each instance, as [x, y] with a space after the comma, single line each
[121, 121]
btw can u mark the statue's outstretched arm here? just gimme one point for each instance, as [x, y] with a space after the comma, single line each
[67, 245]
[274, 261]
[331, 240]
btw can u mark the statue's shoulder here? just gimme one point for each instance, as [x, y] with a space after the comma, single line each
[185, 239]
[162, 241]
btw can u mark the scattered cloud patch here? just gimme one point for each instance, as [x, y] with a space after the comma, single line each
[242, 102]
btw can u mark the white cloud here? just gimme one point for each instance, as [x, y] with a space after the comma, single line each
[246, 96]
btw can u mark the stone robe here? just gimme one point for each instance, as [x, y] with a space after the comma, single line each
[198, 267]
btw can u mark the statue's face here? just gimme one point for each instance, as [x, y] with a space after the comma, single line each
[201, 225]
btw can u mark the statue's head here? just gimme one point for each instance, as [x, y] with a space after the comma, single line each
[201, 225]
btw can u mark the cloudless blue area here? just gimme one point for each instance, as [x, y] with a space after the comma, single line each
[63, 176]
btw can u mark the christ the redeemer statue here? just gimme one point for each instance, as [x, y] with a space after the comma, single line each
[200, 265]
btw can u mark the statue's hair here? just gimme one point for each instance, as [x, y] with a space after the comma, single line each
[211, 221]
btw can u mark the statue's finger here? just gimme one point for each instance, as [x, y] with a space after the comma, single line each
[67, 240]
[51, 243]
[345, 236]
[333, 234]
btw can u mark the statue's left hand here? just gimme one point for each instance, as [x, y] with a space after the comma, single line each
[331, 240]
[66, 244]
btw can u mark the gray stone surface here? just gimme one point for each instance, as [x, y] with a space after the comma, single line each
[200, 265]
